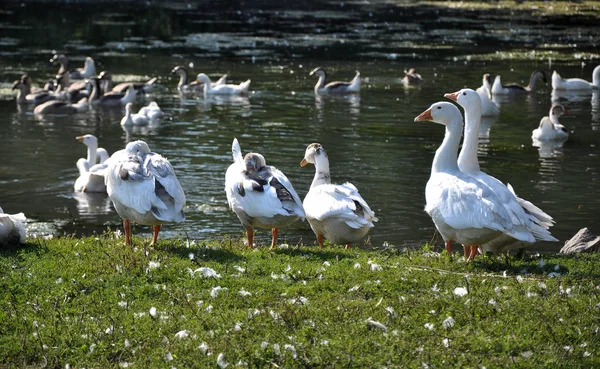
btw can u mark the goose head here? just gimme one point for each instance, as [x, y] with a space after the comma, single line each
[105, 75]
[89, 63]
[18, 85]
[129, 108]
[558, 110]
[312, 153]
[179, 70]
[319, 72]
[442, 113]
[61, 58]
[541, 74]
[254, 161]
[88, 140]
[137, 148]
[465, 98]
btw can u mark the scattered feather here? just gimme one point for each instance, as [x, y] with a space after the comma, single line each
[376, 324]
[153, 312]
[221, 361]
[215, 291]
[357, 266]
[355, 288]
[203, 348]
[153, 265]
[169, 356]
[291, 349]
[244, 293]
[448, 322]
[445, 342]
[429, 326]
[460, 291]
[205, 272]
[182, 334]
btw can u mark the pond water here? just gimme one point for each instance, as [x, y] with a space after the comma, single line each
[370, 138]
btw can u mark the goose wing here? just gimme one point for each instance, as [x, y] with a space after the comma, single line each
[341, 201]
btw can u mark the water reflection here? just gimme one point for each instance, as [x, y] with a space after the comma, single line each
[349, 102]
[596, 111]
[90, 205]
[241, 103]
[484, 134]
[562, 96]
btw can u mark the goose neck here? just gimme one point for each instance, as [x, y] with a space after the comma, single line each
[446, 155]
[322, 175]
[467, 160]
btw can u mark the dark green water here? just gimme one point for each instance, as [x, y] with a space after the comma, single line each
[371, 139]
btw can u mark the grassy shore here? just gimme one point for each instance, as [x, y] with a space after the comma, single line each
[93, 302]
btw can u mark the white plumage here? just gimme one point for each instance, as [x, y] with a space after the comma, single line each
[222, 89]
[336, 212]
[488, 106]
[575, 84]
[92, 168]
[12, 228]
[550, 129]
[260, 194]
[144, 188]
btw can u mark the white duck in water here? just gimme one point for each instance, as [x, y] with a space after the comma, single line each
[92, 168]
[184, 86]
[550, 128]
[526, 227]
[223, 89]
[513, 88]
[336, 212]
[144, 189]
[88, 70]
[462, 208]
[488, 106]
[576, 84]
[131, 119]
[152, 111]
[12, 228]
[260, 195]
[336, 87]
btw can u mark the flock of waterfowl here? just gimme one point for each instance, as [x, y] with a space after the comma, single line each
[466, 205]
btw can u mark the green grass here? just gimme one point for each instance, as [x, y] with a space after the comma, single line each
[87, 302]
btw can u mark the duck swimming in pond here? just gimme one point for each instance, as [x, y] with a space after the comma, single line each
[336, 87]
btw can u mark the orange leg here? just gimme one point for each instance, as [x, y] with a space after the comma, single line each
[274, 233]
[320, 240]
[473, 253]
[127, 230]
[467, 251]
[347, 246]
[155, 235]
[449, 247]
[250, 232]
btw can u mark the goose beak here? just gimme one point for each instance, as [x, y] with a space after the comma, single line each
[303, 163]
[79, 138]
[452, 96]
[565, 111]
[16, 85]
[425, 116]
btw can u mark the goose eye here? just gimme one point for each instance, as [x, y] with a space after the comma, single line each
[439, 107]
[464, 94]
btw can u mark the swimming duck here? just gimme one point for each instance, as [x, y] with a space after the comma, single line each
[97, 98]
[12, 228]
[512, 88]
[336, 87]
[260, 194]
[152, 111]
[526, 228]
[92, 168]
[194, 86]
[25, 96]
[144, 189]
[488, 106]
[412, 77]
[222, 89]
[133, 119]
[336, 212]
[573, 84]
[88, 70]
[462, 208]
[550, 128]
[61, 107]
[108, 88]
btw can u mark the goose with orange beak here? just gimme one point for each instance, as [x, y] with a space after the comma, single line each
[336, 212]
[462, 209]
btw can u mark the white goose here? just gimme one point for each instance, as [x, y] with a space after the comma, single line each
[574, 84]
[336, 212]
[462, 208]
[223, 89]
[526, 227]
[488, 106]
[131, 119]
[12, 228]
[550, 128]
[336, 87]
[152, 111]
[183, 85]
[88, 70]
[144, 189]
[513, 88]
[91, 173]
[260, 195]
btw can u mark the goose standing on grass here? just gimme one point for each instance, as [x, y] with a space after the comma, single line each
[488, 106]
[131, 119]
[194, 86]
[88, 70]
[260, 195]
[336, 212]
[336, 87]
[462, 208]
[550, 128]
[411, 78]
[12, 228]
[222, 89]
[576, 84]
[92, 168]
[108, 88]
[144, 189]
[526, 227]
[513, 88]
